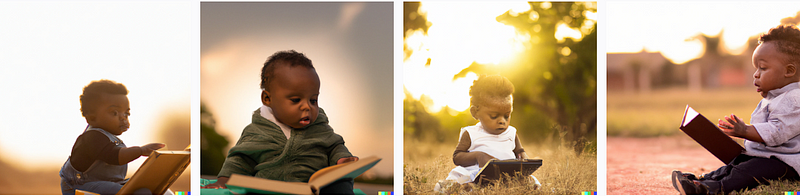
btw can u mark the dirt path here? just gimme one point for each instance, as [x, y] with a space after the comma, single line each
[642, 166]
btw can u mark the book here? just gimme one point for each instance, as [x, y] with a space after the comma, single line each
[708, 135]
[496, 169]
[318, 180]
[158, 172]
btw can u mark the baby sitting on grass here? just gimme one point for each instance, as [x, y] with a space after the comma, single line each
[492, 138]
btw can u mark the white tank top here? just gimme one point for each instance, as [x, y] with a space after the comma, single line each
[500, 146]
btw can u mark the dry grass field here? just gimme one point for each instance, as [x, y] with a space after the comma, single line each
[562, 173]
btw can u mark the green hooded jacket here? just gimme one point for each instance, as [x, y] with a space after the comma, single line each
[263, 150]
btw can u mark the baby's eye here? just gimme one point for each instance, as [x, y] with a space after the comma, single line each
[314, 101]
[295, 100]
[115, 113]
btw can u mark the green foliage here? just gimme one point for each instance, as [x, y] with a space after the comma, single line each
[212, 145]
[555, 80]
[413, 20]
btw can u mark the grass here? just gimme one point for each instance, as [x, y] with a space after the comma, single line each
[562, 173]
[660, 112]
[776, 187]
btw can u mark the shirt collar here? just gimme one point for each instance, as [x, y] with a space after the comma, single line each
[266, 112]
[775, 92]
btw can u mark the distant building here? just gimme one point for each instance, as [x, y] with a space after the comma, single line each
[632, 71]
[644, 71]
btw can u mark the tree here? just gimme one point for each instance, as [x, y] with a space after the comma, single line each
[554, 79]
[212, 145]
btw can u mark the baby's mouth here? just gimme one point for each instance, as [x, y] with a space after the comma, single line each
[305, 121]
[758, 88]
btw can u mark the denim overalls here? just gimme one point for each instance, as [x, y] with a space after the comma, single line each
[101, 177]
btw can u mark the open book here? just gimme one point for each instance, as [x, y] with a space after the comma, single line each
[158, 172]
[708, 135]
[318, 180]
[494, 169]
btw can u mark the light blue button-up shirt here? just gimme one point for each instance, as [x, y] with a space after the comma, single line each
[777, 120]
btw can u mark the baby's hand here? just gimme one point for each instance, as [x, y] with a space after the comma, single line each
[220, 184]
[149, 148]
[522, 155]
[347, 159]
[483, 158]
[733, 126]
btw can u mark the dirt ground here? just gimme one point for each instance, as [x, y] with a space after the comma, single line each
[642, 166]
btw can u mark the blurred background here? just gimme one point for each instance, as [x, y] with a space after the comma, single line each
[698, 55]
[665, 55]
[52, 49]
[350, 45]
[548, 50]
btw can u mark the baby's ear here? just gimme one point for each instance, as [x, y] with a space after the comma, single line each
[791, 70]
[265, 98]
[474, 111]
[90, 118]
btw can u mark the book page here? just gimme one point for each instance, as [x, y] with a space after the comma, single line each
[345, 170]
[158, 172]
[267, 186]
[688, 115]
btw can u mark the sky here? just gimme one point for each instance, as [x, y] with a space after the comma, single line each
[669, 26]
[350, 45]
[52, 49]
[454, 40]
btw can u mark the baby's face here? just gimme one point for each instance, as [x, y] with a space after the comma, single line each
[770, 69]
[495, 116]
[293, 94]
[112, 114]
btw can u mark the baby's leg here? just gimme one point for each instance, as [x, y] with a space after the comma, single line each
[100, 187]
[746, 173]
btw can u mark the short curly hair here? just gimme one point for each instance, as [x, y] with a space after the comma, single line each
[290, 58]
[93, 92]
[786, 39]
[489, 88]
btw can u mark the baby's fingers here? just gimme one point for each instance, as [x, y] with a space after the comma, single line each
[731, 120]
[724, 125]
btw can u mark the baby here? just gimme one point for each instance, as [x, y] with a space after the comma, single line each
[772, 148]
[289, 138]
[492, 138]
[99, 160]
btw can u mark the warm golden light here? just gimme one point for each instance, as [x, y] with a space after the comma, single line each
[455, 40]
[633, 26]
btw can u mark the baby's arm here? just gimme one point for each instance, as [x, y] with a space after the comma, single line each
[735, 126]
[234, 164]
[462, 157]
[339, 154]
[129, 154]
[519, 152]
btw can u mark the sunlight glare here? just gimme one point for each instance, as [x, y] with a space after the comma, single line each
[564, 31]
[454, 41]
[666, 32]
